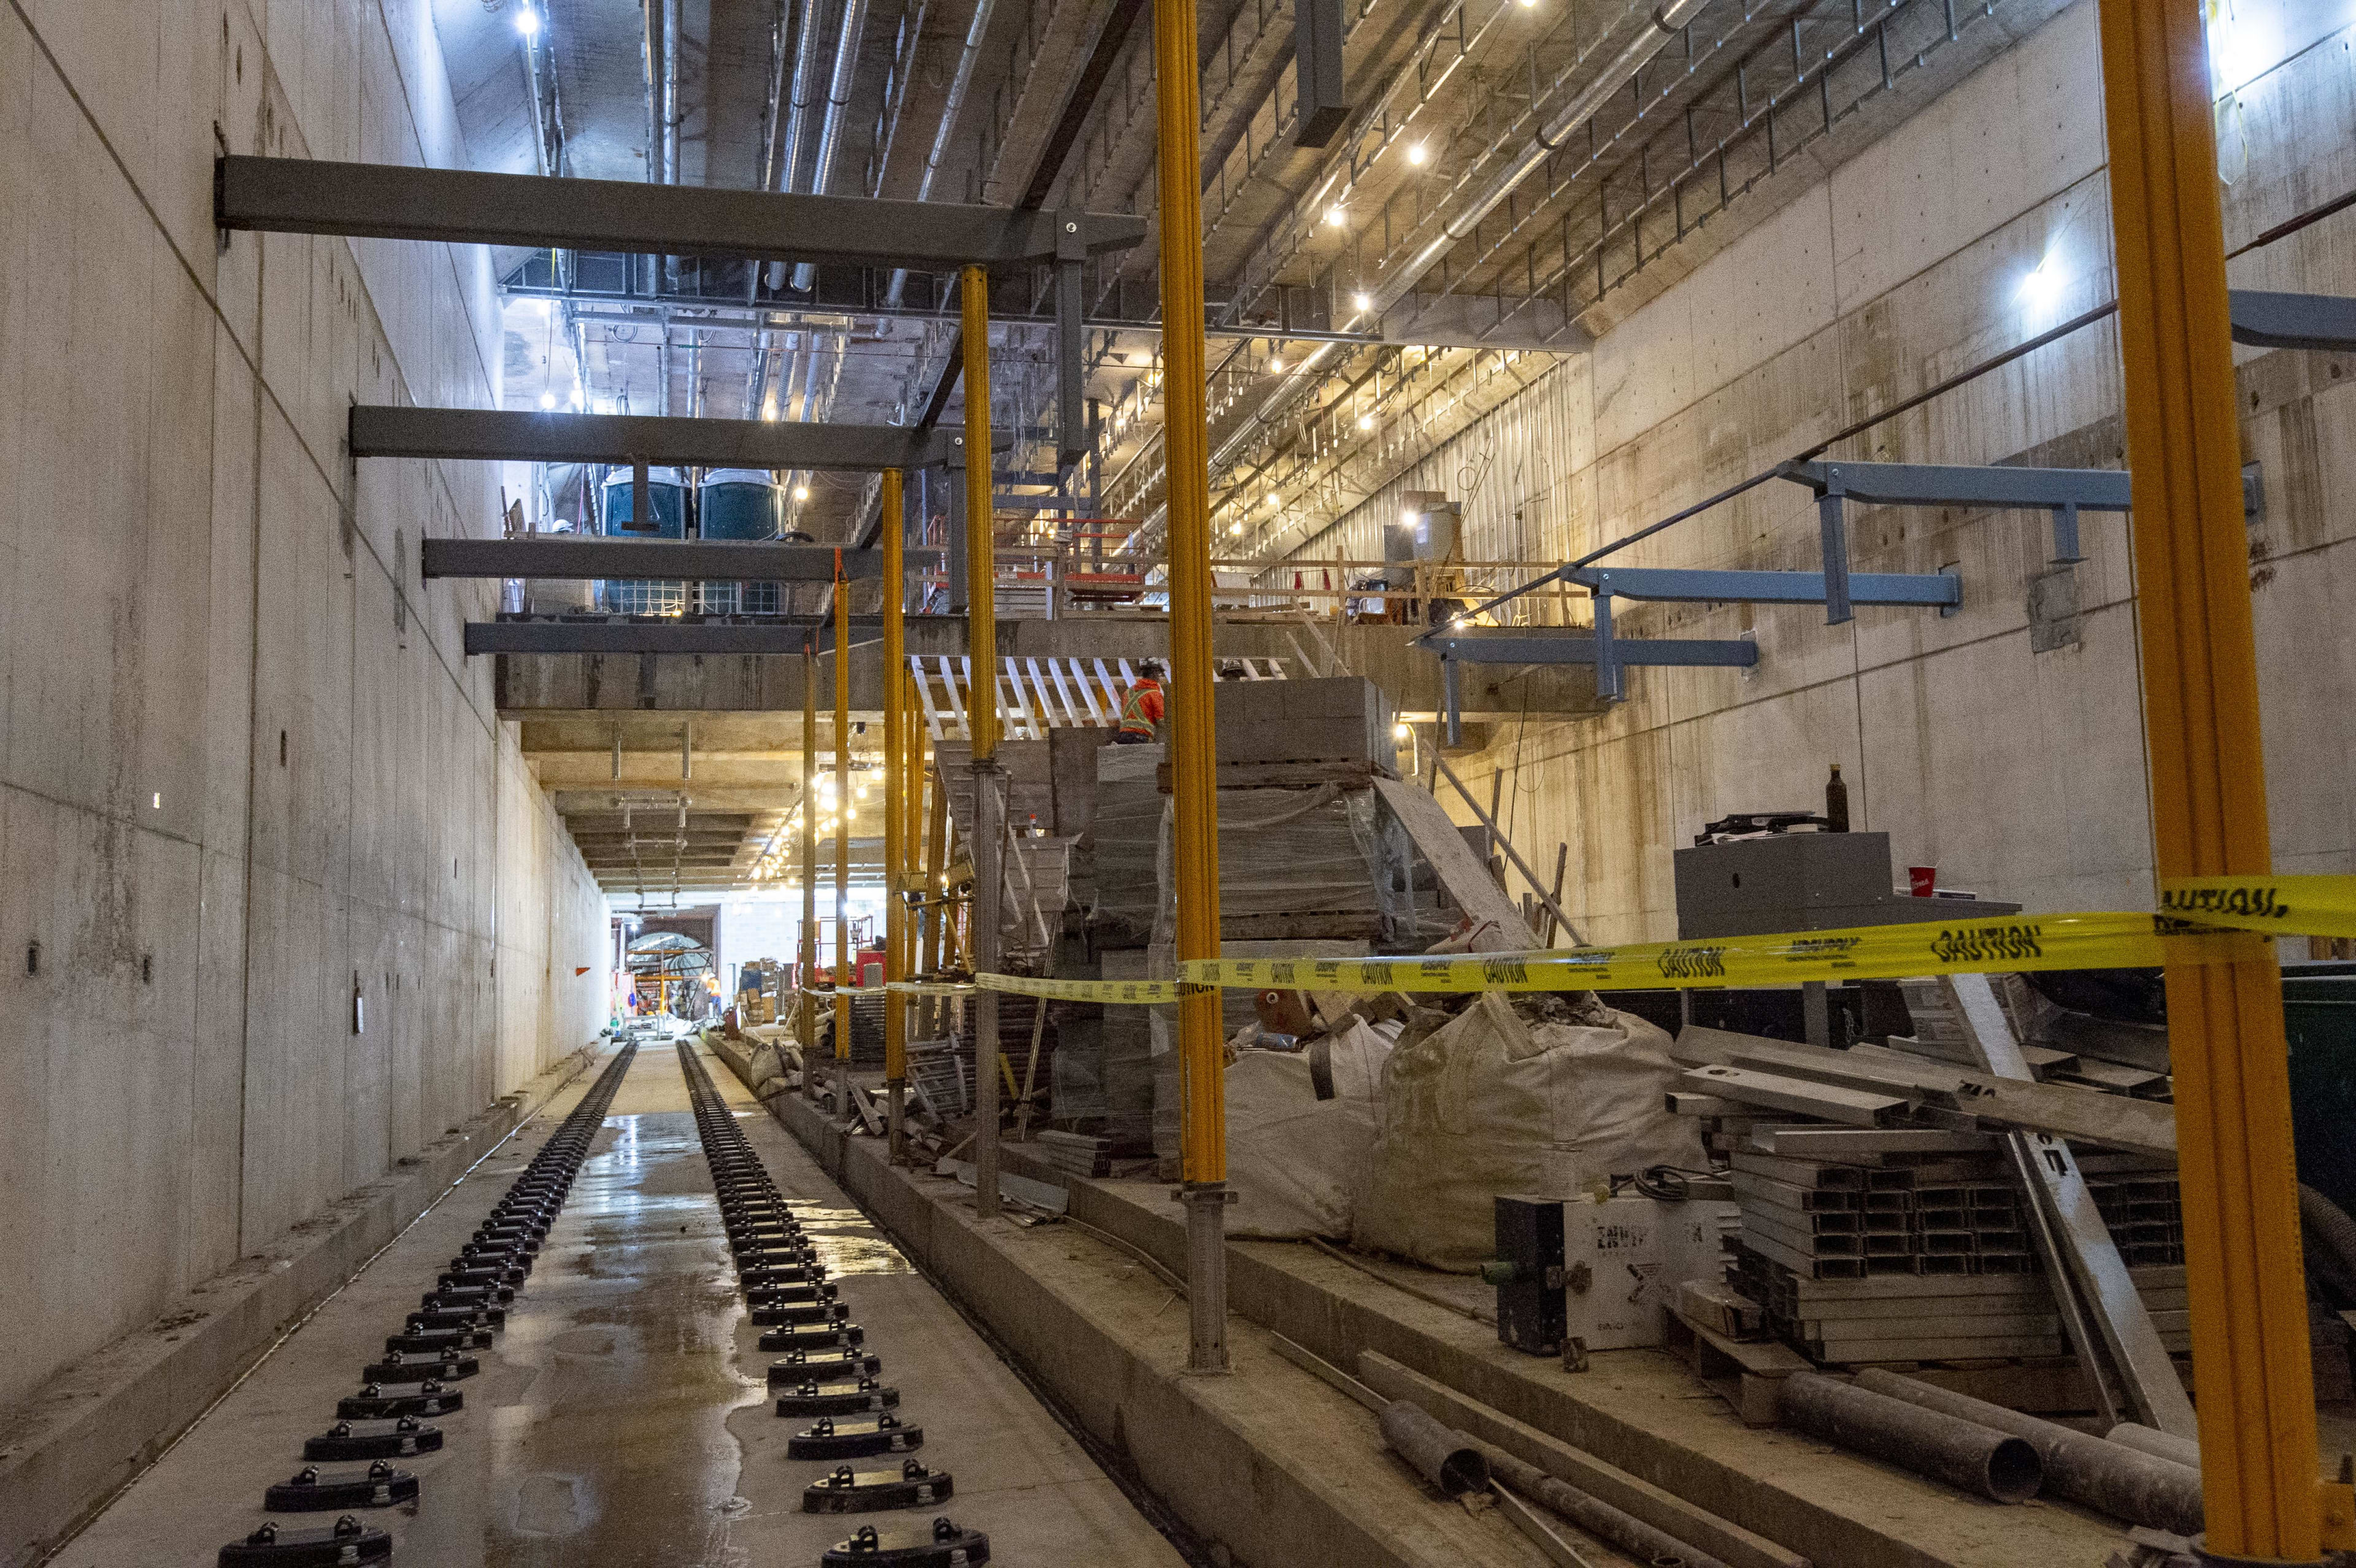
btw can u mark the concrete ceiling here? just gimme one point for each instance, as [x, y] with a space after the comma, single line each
[1445, 95]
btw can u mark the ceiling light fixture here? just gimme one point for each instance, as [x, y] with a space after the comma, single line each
[527, 22]
[1362, 301]
[1337, 215]
[1417, 154]
[801, 492]
[547, 400]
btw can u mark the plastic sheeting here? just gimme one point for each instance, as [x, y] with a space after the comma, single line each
[1294, 1161]
[1494, 1104]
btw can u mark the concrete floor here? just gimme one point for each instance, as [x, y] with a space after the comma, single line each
[622, 1417]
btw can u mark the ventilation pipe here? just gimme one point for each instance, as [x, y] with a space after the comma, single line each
[837, 110]
[950, 106]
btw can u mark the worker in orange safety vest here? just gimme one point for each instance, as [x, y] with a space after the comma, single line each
[1140, 706]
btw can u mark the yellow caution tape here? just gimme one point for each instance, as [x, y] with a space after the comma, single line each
[2283, 906]
[2206, 919]
[931, 989]
[1136, 993]
[2010, 943]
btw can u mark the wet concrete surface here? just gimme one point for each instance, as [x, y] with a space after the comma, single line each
[623, 1416]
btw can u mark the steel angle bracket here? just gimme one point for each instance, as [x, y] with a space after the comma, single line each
[308, 1491]
[940, 1544]
[846, 1490]
[348, 1540]
[2320, 322]
[857, 1438]
[1610, 654]
[2063, 491]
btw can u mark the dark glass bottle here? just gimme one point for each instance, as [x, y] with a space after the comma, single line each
[1835, 803]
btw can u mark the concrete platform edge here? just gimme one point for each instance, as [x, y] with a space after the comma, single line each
[90, 1430]
[1337, 1326]
[1188, 1441]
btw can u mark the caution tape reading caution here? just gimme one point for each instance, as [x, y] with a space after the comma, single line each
[2283, 906]
[2204, 920]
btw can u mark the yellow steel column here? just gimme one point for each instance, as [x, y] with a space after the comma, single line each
[982, 718]
[804, 1013]
[846, 968]
[2264, 1498]
[1202, 1117]
[896, 788]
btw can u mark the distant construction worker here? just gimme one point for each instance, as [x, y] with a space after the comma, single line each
[1140, 706]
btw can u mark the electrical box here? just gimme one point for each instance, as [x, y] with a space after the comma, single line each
[1601, 1270]
[1527, 1273]
[1624, 1257]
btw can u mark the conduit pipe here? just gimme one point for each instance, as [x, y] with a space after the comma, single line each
[2104, 1475]
[950, 106]
[1592, 1514]
[1964, 1453]
[837, 110]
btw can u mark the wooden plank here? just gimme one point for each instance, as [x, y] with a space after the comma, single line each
[2143, 1126]
[1661, 1508]
[1467, 881]
[949, 681]
[925, 695]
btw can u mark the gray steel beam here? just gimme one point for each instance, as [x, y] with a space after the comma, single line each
[496, 435]
[1532, 647]
[1766, 587]
[607, 559]
[1955, 485]
[2072, 1226]
[385, 201]
[2266, 320]
[784, 635]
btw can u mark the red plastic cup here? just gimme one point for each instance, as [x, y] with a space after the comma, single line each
[1923, 882]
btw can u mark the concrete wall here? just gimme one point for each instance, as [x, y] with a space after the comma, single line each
[245, 767]
[2016, 772]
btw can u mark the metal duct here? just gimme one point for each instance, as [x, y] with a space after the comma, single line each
[955, 102]
[837, 112]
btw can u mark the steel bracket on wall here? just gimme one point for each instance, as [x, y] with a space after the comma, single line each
[1608, 654]
[1940, 590]
[460, 206]
[2063, 491]
[2264, 320]
[1071, 343]
[494, 435]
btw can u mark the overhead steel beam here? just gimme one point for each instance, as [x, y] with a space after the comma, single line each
[1710, 587]
[2321, 322]
[387, 201]
[607, 559]
[1957, 485]
[785, 635]
[1532, 647]
[496, 435]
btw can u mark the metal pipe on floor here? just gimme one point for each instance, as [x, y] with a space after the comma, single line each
[981, 721]
[1964, 1453]
[895, 790]
[1202, 1039]
[1592, 1514]
[2184, 1451]
[2104, 1475]
[1446, 1459]
[846, 962]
